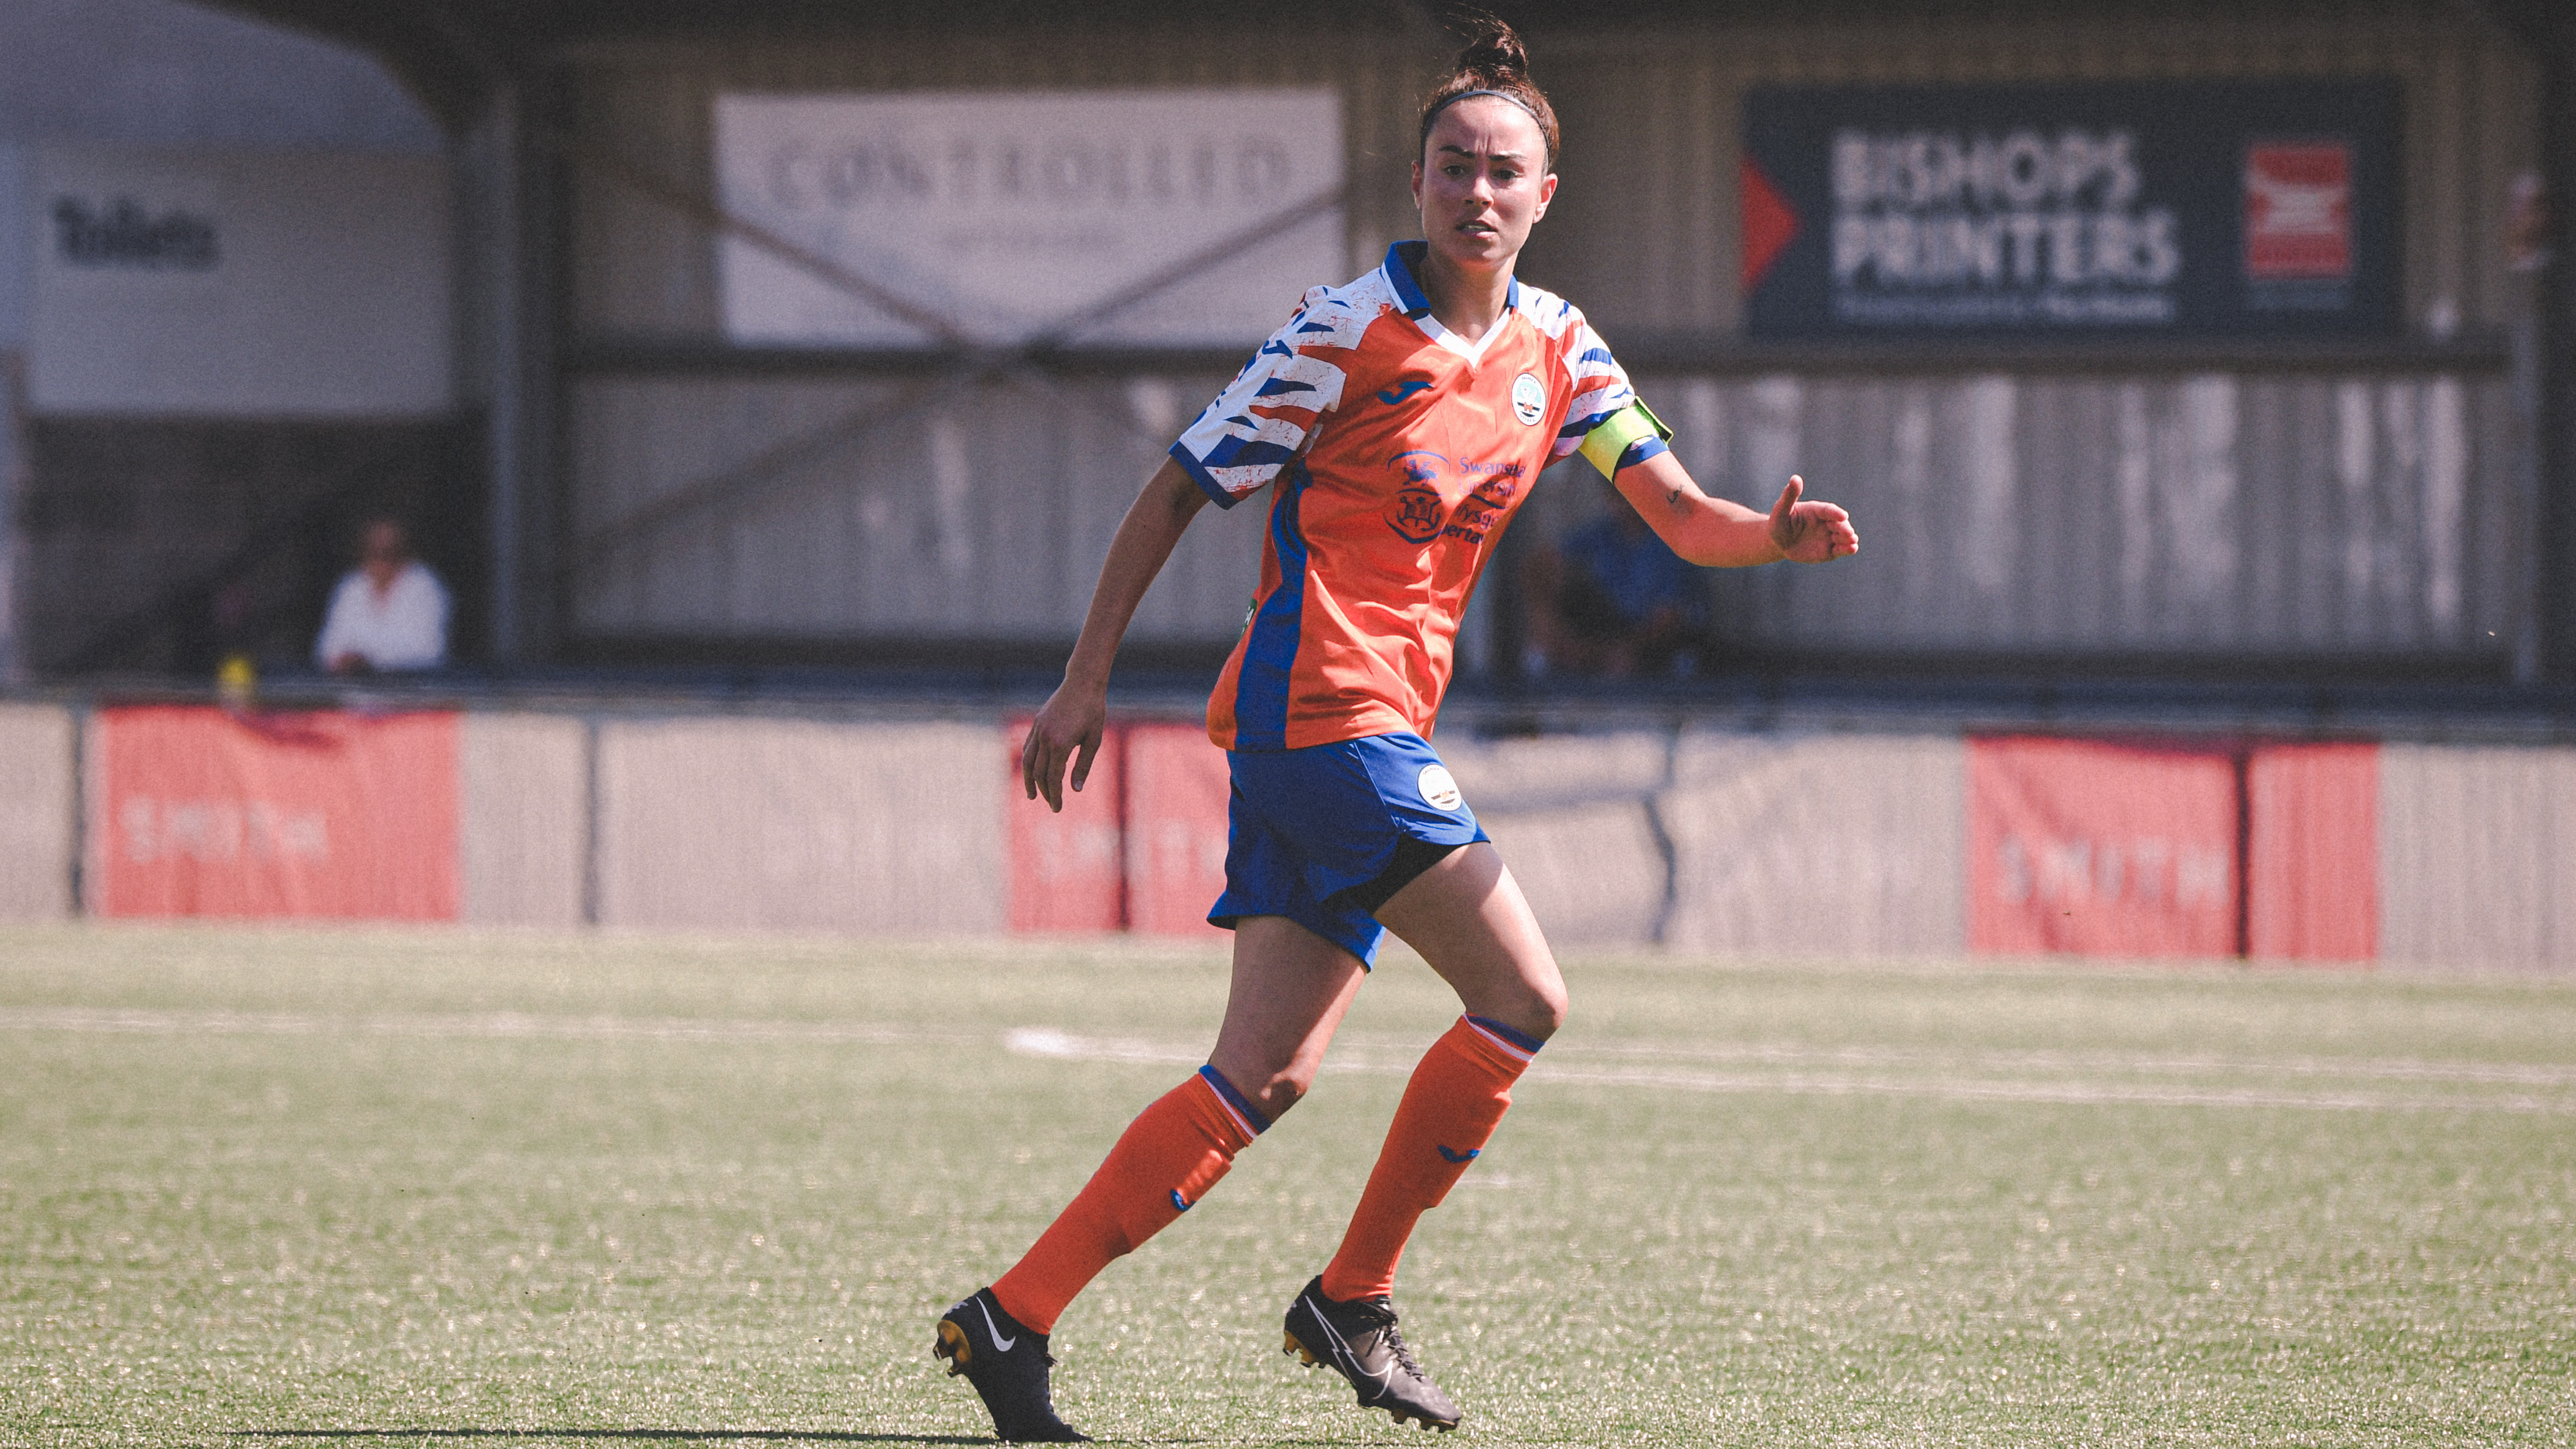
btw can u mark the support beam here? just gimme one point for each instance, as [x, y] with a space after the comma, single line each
[495, 267]
[513, 177]
[13, 552]
[2553, 39]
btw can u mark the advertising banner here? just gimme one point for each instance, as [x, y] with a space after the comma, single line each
[1177, 793]
[2312, 852]
[37, 801]
[2098, 849]
[202, 812]
[737, 822]
[1066, 869]
[1011, 215]
[2164, 209]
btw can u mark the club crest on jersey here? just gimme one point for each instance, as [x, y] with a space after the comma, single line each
[1529, 399]
[1417, 513]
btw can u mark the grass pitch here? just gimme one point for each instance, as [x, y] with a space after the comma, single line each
[266, 1188]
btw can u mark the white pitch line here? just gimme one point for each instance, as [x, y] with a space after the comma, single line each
[2067, 1093]
[1577, 1067]
[2367, 1068]
[1798, 1065]
[503, 1025]
[1039, 1041]
[1376, 1054]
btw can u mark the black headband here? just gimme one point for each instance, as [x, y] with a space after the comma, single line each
[1433, 114]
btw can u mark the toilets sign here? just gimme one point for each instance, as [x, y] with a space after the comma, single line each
[2184, 209]
[124, 229]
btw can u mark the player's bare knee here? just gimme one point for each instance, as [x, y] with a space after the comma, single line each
[1544, 1011]
[1533, 1008]
[1282, 1090]
[1538, 991]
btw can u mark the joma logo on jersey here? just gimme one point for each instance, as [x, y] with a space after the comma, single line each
[1403, 390]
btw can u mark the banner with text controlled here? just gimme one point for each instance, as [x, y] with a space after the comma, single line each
[2149, 209]
[202, 812]
[2101, 849]
[1016, 215]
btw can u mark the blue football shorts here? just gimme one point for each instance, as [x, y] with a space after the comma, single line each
[1314, 834]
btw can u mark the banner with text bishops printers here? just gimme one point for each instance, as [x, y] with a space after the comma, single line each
[2156, 209]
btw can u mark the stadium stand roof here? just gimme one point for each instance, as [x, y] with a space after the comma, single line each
[452, 50]
[456, 55]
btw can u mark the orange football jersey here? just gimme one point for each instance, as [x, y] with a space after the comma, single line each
[1399, 451]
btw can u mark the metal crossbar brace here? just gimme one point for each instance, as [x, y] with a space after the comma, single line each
[1018, 363]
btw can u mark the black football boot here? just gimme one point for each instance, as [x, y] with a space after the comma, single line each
[1008, 1366]
[1359, 1341]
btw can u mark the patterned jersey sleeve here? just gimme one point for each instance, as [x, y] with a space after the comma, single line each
[1604, 407]
[1268, 416]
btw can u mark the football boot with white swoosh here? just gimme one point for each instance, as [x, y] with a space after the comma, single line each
[1008, 1365]
[1359, 1341]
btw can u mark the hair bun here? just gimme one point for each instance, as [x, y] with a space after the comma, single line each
[1494, 52]
[1494, 62]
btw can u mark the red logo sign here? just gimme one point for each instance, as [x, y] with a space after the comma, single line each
[1769, 224]
[2298, 211]
[203, 813]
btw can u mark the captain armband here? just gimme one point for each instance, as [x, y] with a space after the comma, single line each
[1625, 438]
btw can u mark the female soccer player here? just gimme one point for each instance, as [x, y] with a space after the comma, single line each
[1400, 421]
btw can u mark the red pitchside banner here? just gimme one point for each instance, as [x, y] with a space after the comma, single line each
[1177, 792]
[1065, 868]
[2100, 849]
[2313, 853]
[201, 812]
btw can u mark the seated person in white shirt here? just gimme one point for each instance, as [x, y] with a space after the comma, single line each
[388, 614]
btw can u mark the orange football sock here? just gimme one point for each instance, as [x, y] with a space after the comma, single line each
[1163, 1164]
[1457, 1097]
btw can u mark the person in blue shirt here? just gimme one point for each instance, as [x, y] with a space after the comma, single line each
[1611, 599]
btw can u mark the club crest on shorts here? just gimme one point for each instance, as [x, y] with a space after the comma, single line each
[1438, 790]
[1529, 399]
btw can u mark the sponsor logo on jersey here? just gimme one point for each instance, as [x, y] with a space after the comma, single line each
[1482, 510]
[1417, 512]
[1439, 790]
[1529, 399]
[1407, 388]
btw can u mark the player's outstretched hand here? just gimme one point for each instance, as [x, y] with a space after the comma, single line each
[1069, 728]
[1810, 532]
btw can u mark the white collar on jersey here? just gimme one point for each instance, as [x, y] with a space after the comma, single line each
[1417, 306]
